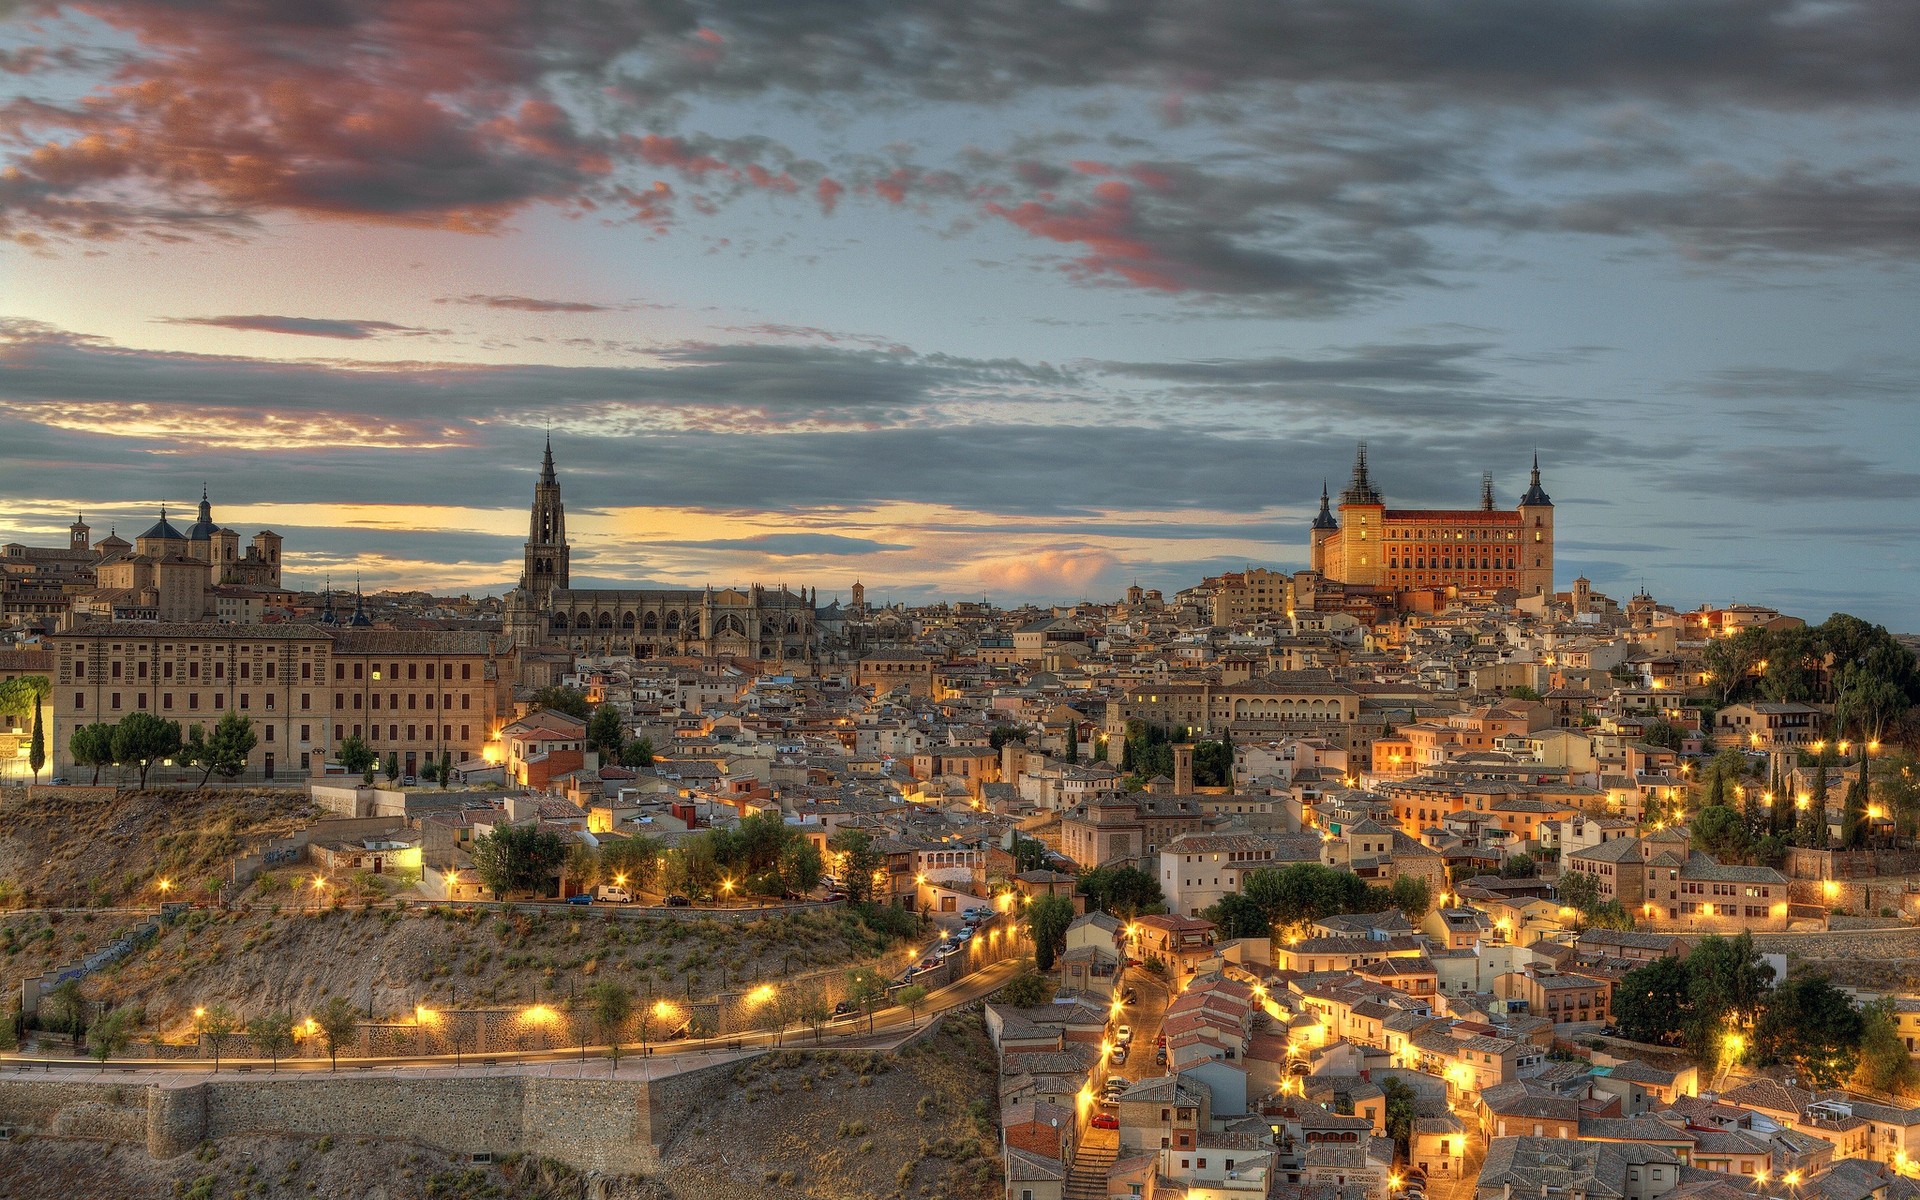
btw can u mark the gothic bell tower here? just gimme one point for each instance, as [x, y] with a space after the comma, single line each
[547, 554]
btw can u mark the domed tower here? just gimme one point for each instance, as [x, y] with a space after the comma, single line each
[1362, 522]
[1536, 537]
[200, 533]
[1324, 527]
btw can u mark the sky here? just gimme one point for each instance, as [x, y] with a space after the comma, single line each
[999, 299]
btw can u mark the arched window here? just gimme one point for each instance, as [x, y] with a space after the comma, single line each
[582, 621]
[673, 621]
[606, 620]
[650, 622]
[626, 621]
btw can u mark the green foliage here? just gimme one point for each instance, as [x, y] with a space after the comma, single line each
[1148, 750]
[272, 1035]
[801, 866]
[1029, 854]
[144, 739]
[1577, 889]
[1238, 916]
[1411, 895]
[605, 733]
[225, 751]
[63, 1008]
[393, 765]
[569, 700]
[637, 754]
[912, 997]
[637, 858]
[1813, 830]
[1026, 989]
[1213, 764]
[1519, 866]
[111, 1033]
[858, 861]
[339, 1024]
[1523, 692]
[1813, 1027]
[1047, 919]
[1000, 735]
[1723, 833]
[356, 756]
[868, 991]
[20, 696]
[1885, 1063]
[1664, 734]
[1724, 977]
[37, 743]
[1650, 1002]
[1304, 892]
[92, 746]
[611, 1003]
[1400, 1111]
[518, 858]
[1123, 891]
[215, 1024]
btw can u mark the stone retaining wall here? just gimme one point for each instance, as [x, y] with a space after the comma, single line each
[617, 1124]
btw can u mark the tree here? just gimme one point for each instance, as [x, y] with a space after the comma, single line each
[912, 996]
[605, 734]
[1400, 1101]
[1027, 989]
[215, 1024]
[1029, 854]
[1073, 741]
[65, 1007]
[611, 1004]
[1732, 662]
[582, 867]
[693, 867]
[1723, 833]
[144, 739]
[1886, 1065]
[339, 1024]
[1000, 735]
[1650, 1004]
[517, 858]
[393, 765]
[637, 754]
[272, 1035]
[1725, 976]
[857, 862]
[811, 1010]
[111, 1033]
[1238, 916]
[20, 696]
[1578, 890]
[1213, 764]
[1047, 920]
[868, 991]
[92, 746]
[225, 751]
[1814, 831]
[1123, 891]
[1813, 1027]
[1411, 895]
[446, 769]
[357, 757]
[1519, 866]
[1521, 691]
[37, 745]
[569, 700]
[1664, 734]
[632, 860]
[800, 867]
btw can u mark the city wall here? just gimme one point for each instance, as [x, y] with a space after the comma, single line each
[611, 1125]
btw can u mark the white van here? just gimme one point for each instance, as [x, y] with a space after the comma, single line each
[614, 894]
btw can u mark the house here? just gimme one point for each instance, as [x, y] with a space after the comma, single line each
[1438, 1147]
[1182, 943]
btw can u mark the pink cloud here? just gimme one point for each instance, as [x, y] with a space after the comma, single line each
[828, 192]
[1048, 572]
[1108, 227]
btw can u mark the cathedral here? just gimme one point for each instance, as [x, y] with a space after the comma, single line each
[1404, 549]
[772, 624]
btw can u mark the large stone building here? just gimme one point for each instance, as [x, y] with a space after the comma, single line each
[746, 622]
[1399, 549]
[416, 695]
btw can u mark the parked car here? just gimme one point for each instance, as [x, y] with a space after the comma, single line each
[929, 962]
[613, 893]
[1119, 1056]
[1160, 1056]
[1105, 1121]
[1117, 1084]
[843, 1008]
[964, 936]
[1123, 1035]
[581, 898]
[830, 897]
[678, 902]
[1129, 996]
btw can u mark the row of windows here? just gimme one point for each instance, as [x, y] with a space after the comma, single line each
[393, 700]
[245, 670]
[1395, 533]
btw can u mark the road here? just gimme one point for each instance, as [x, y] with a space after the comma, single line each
[888, 1027]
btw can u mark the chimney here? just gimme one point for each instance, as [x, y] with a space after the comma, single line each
[1183, 769]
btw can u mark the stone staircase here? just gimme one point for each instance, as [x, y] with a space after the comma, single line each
[1087, 1178]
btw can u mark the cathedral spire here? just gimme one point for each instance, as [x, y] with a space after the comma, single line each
[1486, 491]
[546, 465]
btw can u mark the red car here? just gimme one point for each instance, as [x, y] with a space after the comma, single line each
[1105, 1121]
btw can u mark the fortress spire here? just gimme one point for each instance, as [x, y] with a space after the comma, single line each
[1360, 489]
[1536, 496]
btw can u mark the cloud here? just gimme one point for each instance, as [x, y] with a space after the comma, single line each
[790, 545]
[529, 304]
[1058, 573]
[321, 327]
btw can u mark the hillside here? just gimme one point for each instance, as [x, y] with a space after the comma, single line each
[67, 852]
[392, 959]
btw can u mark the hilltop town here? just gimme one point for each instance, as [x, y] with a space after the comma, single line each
[1280, 885]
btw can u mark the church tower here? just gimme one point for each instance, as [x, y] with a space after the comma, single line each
[547, 554]
[1536, 537]
[1324, 527]
[79, 536]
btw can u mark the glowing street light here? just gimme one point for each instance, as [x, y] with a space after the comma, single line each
[166, 885]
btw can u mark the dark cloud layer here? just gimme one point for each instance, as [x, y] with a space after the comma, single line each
[322, 327]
